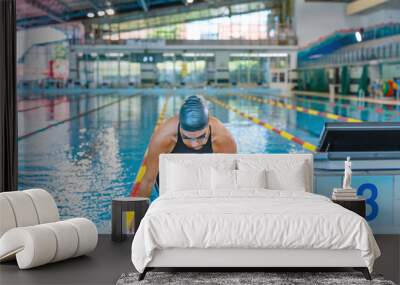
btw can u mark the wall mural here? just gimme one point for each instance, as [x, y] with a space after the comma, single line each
[85, 127]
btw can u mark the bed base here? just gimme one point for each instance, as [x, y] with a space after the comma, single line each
[143, 274]
[363, 270]
[244, 259]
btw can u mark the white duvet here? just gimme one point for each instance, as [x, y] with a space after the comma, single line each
[255, 218]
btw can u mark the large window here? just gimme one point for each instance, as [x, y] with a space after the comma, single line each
[252, 26]
[103, 70]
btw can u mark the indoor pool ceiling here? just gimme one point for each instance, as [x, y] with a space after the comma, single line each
[32, 13]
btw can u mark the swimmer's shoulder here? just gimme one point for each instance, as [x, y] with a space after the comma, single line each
[165, 135]
[222, 139]
[170, 126]
[216, 125]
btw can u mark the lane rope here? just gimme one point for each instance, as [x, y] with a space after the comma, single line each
[71, 118]
[64, 100]
[41, 106]
[350, 98]
[142, 168]
[288, 136]
[308, 111]
[344, 105]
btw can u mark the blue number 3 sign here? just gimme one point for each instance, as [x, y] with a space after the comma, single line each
[371, 201]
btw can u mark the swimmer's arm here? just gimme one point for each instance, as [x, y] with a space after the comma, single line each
[156, 147]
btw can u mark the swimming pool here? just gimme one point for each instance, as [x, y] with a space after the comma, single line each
[87, 148]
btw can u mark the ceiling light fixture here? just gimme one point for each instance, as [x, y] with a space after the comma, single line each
[90, 15]
[110, 11]
[101, 13]
[358, 36]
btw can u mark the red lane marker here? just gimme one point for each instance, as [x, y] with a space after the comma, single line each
[276, 131]
[297, 140]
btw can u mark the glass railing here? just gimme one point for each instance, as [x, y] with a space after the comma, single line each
[378, 42]
[390, 50]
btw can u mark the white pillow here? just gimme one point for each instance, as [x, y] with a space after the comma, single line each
[287, 177]
[228, 179]
[282, 174]
[188, 177]
[223, 179]
[251, 178]
[280, 178]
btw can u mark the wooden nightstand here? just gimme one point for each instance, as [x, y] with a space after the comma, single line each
[357, 206]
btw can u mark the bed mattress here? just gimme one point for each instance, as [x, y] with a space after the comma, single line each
[250, 219]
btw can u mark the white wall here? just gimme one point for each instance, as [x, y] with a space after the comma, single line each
[318, 19]
[27, 38]
[386, 13]
[314, 20]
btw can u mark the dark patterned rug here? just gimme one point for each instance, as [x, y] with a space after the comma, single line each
[228, 278]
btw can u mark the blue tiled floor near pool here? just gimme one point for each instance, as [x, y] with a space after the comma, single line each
[86, 148]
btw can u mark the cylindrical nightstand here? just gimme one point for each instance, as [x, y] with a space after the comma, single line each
[121, 208]
[357, 206]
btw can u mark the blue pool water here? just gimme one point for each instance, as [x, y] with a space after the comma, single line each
[86, 148]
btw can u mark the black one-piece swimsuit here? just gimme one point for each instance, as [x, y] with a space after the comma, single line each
[180, 147]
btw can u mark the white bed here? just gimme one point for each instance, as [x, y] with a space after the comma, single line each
[248, 227]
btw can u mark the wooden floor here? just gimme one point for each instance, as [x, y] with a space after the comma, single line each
[110, 260]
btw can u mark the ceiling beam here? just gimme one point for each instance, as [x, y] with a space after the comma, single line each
[130, 16]
[94, 4]
[49, 13]
[144, 5]
[62, 3]
[359, 6]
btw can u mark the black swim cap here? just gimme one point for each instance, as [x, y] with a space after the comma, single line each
[193, 115]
